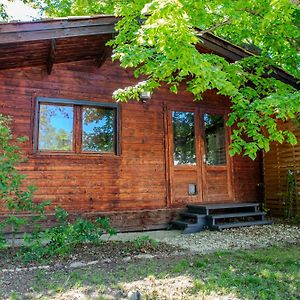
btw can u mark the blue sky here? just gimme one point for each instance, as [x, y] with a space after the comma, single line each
[17, 10]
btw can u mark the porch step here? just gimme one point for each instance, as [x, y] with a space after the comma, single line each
[240, 224]
[187, 227]
[217, 207]
[237, 215]
[188, 215]
[218, 216]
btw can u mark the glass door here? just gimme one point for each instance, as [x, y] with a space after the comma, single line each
[199, 164]
[184, 159]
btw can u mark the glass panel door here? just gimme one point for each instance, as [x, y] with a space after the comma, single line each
[185, 186]
[199, 164]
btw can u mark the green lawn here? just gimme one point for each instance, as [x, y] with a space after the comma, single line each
[272, 273]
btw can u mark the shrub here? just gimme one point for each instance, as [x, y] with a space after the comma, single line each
[290, 195]
[144, 243]
[14, 197]
[63, 238]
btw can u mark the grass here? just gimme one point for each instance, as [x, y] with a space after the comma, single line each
[271, 273]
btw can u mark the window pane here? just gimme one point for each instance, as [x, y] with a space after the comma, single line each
[184, 138]
[215, 139]
[98, 126]
[56, 127]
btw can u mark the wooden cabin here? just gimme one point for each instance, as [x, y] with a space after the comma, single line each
[139, 163]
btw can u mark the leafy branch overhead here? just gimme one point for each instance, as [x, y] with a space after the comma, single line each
[159, 40]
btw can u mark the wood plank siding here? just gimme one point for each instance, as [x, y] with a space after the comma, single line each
[138, 179]
[277, 162]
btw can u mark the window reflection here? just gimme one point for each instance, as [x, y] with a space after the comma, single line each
[184, 138]
[214, 140]
[98, 129]
[56, 127]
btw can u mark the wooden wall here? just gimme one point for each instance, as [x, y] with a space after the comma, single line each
[277, 162]
[134, 180]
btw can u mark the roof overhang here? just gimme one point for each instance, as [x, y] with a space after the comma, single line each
[51, 41]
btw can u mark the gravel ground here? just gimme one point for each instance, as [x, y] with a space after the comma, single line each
[238, 238]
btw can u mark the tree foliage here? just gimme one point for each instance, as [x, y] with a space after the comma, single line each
[15, 198]
[158, 39]
[3, 14]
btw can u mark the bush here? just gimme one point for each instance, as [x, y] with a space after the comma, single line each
[145, 243]
[290, 195]
[62, 239]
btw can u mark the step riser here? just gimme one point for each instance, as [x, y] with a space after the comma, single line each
[194, 217]
[199, 211]
[212, 222]
[232, 210]
[237, 215]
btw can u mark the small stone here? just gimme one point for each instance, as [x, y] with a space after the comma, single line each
[77, 264]
[94, 262]
[134, 295]
[145, 256]
[127, 258]
[106, 261]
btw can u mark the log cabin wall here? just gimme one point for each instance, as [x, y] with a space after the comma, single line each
[136, 180]
[277, 162]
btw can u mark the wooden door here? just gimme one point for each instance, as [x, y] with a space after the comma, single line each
[197, 154]
[216, 161]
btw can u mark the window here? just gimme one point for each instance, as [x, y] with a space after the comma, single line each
[184, 138]
[71, 126]
[215, 150]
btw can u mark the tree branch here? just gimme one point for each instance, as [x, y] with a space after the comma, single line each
[214, 27]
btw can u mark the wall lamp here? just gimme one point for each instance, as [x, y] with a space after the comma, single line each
[145, 96]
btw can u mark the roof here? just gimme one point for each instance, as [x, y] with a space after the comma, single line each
[50, 41]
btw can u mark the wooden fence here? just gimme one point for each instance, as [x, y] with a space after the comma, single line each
[277, 162]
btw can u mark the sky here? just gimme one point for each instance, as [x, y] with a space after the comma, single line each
[17, 10]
